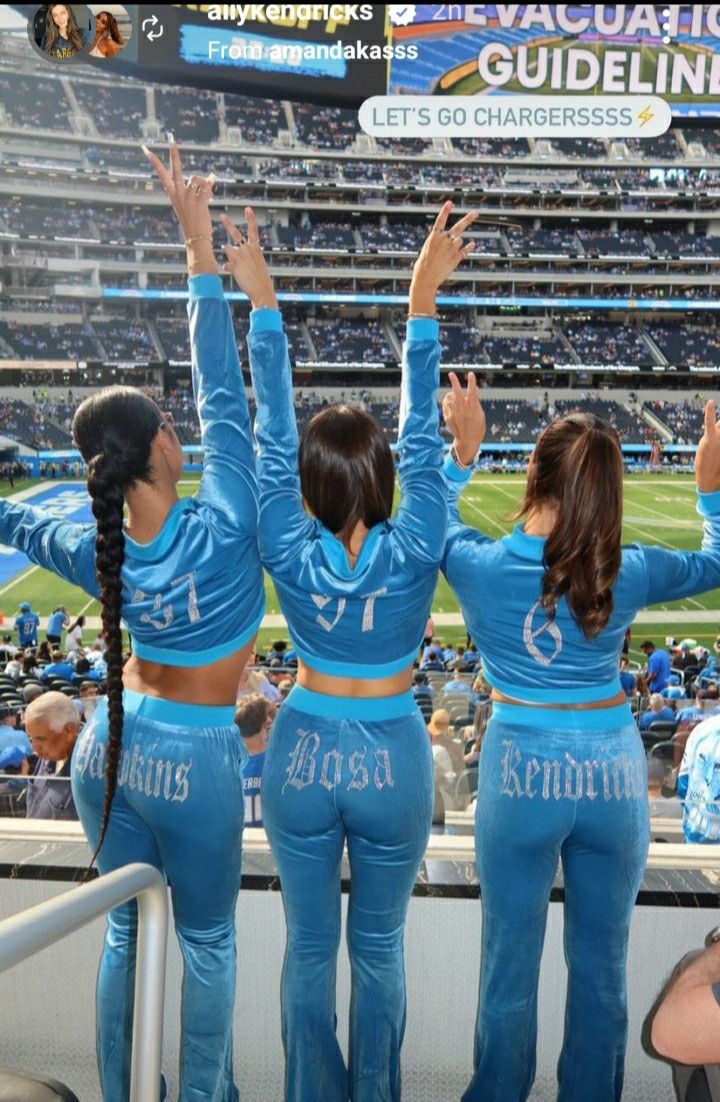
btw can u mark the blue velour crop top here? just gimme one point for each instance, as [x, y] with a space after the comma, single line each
[195, 593]
[526, 655]
[368, 620]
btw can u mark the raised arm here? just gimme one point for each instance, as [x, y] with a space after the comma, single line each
[465, 420]
[228, 486]
[283, 523]
[421, 520]
[66, 549]
[674, 574]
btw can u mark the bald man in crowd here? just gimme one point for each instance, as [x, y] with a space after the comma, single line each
[52, 723]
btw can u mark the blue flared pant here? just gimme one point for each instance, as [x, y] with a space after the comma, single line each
[557, 786]
[365, 780]
[178, 806]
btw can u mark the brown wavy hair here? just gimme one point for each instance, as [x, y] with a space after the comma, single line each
[577, 467]
[112, 27]
[74, 35]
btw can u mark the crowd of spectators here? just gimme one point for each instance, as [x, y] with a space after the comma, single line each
[683, 418]
[687, 345]
[347, 341]
[607, 343]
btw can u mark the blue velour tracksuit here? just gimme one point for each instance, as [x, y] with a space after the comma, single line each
[558, 784]
[190, 597]
[348, 770]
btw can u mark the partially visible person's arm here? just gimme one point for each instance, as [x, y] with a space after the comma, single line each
[66, 549]
[686, 1025]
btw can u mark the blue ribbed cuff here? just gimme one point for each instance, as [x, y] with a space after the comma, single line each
[422, 329]
[453, 473]
[206, 285]
[266, 319]
[709, 504]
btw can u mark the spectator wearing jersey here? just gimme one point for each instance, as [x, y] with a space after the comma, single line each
[449, 654]
[13, 765]
[673, 692]
[658, 666]
[59, 667]
[457, 685]
[26, 625]
[11, 733]
[252, 717]
[699, 783]
[658, 712]
[627, 679]
[432, 659]
[422, 694]
[83, 671]
[57, 620]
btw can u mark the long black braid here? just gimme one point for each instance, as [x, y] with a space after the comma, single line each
[114, 431]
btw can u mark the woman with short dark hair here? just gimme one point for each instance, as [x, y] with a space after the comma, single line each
[349, 758]
[562, 771]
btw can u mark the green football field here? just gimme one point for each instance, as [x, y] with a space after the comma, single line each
[659, 509]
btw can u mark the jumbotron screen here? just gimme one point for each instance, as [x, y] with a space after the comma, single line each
[671, 51]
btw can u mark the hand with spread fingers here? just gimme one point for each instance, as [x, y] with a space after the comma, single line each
[246, 262]
[440, 255]
[707, 457]
[464, 418]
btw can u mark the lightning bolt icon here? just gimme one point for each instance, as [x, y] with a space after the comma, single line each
[645, 115]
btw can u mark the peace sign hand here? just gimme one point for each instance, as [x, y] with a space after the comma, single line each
[464, 417]
[191, 200]
[246, 262]
[707, 457]
[440, 255]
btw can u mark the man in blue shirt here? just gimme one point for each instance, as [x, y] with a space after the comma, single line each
[457, 686]
[699, 783]
[11, 733]
[658, 712]
[27, 624]
[658, 666]
[57, 620]
[422, 694]
[252, 717]
[59, 667]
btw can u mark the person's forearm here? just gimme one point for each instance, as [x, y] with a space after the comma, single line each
[422, 300]
[200, 257]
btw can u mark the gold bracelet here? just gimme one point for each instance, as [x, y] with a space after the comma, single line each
[198, 237]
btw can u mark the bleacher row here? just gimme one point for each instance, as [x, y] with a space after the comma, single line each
[123, 109]
[29, 218]
[47, 423]
[320, 337]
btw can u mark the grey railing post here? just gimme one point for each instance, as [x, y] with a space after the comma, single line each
[27, 933]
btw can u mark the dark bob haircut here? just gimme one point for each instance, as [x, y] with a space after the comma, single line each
[347, 472]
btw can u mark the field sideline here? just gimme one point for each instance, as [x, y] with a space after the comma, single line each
[658, 509]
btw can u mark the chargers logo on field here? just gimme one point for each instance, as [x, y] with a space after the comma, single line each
[63, 502]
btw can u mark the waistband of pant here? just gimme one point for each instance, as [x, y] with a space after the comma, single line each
[351, 707]
[561, 719]
[177, 712]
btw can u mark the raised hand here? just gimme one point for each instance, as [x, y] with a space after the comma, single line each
[246, 263]
[707, 456]
[440, 255]
[464, 417]
[190, 200]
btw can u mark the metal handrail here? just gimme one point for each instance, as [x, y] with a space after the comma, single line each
[27, 933]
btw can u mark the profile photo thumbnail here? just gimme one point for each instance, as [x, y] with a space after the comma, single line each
[62, 31]
[113, 30]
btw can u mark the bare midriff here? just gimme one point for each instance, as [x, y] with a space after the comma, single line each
[330, 685]
[585, 706]
[215, 684]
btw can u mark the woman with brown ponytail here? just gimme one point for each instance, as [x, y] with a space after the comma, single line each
[157, 773]
[562, 769]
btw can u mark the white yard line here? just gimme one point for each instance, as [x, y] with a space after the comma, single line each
[494, 523]
[20, 578]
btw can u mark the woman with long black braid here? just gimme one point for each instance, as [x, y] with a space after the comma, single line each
[157, 773]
